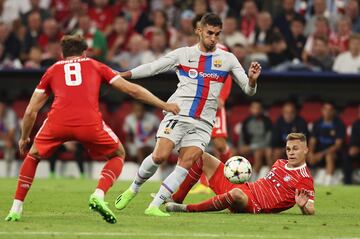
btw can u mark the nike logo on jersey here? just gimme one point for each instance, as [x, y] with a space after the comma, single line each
[192, 61]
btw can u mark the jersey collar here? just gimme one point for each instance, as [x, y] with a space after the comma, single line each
[300, 167]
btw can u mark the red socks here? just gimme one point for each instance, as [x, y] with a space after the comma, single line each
[217, 203]
[190, 180]
[226, 155]
[110, 173]
[26, 177]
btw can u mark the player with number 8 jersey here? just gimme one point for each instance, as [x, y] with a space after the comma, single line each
[74, 115]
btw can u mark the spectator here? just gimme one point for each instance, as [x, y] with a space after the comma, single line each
[35, 7]
[297, 39]
[172, 12]
[279, 53]
[321, 59]
[349, 62]
[9, 12]
[322, 29]
[140, 127]
[221, 8]
[289, 122]
[354, 150]
[231, 35]
[241, 55]
[131, 58]
[353, 12]
[10, 43]
[136, 16]
[320, 10]
[255, 138]
[200, 7]
[9, 134]
[284, 19]
[326, 142]
[158, 47]
[52, 54]
[248, 14]
[186, 28]
[70, 22]
[103, 15]
[34, 61]
[160, 21]
[32, 34]
[340, 41]
[50, 32]
[95, 39]
[119, 38]
[261, 39]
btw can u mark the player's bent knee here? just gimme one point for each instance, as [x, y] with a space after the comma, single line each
[120, 152]
[158, 158]
[238, 195]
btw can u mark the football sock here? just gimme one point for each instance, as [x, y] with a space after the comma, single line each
[17, 206]
[169, 185]
[203, 180]
[147, 169]
[26, 177]
[217, 203]
[109, 174]
[191, 179]
[225, 155]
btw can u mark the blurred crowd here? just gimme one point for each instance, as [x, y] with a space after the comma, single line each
[284, 35]
[255, 131]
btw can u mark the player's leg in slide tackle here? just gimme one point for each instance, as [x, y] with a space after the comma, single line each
[235, 198]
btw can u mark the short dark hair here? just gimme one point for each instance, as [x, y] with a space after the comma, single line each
[73, 45]
[211, 19]
[196, 20]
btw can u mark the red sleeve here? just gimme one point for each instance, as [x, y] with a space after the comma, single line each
[225, 91]
[108, 75]
[307, 184]
[44, 84]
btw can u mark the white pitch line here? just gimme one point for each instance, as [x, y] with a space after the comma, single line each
[156, 234]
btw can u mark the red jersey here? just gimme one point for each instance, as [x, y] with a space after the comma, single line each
[76, 84]
[276, 191]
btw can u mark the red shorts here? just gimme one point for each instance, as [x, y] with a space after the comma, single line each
[219, 129]
[99, 139]
[220, 185]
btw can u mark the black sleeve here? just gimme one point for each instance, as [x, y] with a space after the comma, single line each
[340, 130]
[276, 136]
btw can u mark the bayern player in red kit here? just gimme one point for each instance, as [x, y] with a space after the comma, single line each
[75, 83]
[289, 182]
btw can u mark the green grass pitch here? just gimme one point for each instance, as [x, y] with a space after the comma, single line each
[58, 209]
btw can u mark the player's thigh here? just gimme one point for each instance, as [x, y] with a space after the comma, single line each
[217, 181]
[188, 155]
[100, 141]
[210, 165]
[162, 150]
[48, 139]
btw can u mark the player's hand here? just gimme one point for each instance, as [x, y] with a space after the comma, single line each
[172, 107]
[22, 145]
[301, 197]
[254, 71]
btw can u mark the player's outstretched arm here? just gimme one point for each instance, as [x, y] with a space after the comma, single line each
[142, 94]
[302, 200]
[36, 102]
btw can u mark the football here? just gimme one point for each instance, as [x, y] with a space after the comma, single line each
[237, 169]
